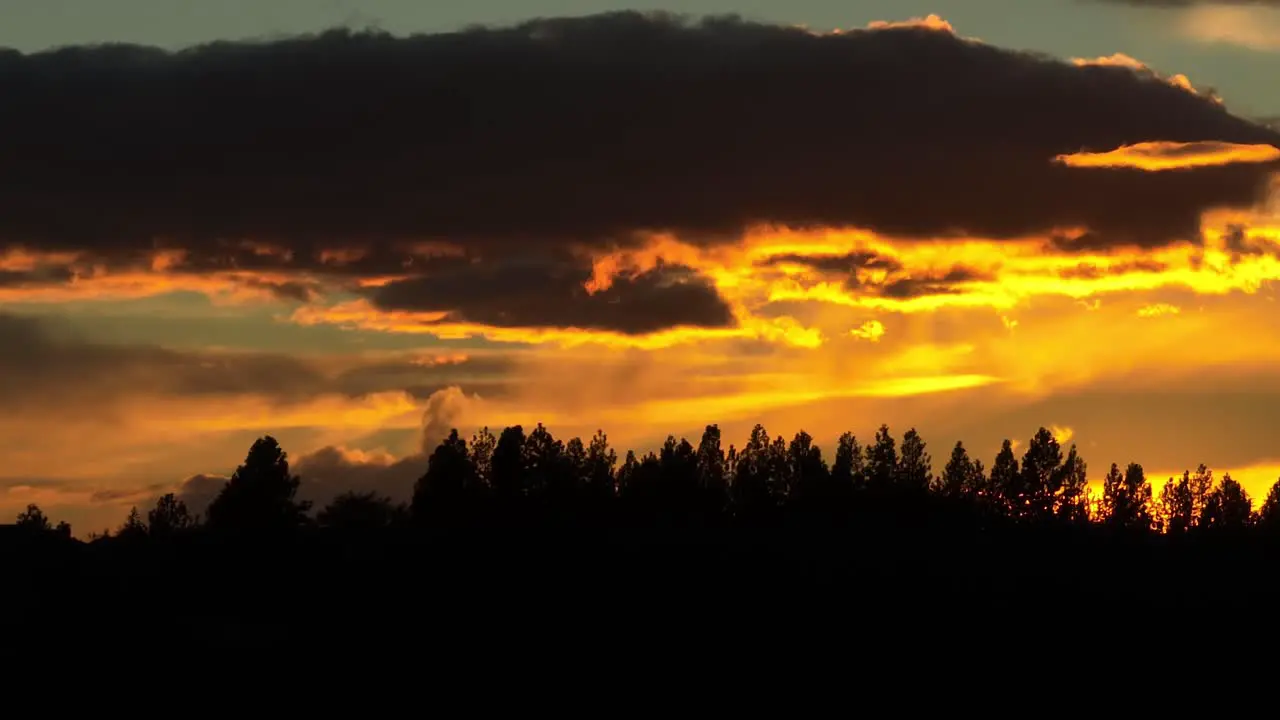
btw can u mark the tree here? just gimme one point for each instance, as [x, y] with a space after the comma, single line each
[1036, 489]
[599, 471]
[882, 461]
[360, 512]
[627, 473]
[508, 464]
[713, 470]
[169, 516]
[1177, 506]
[33, 518]
[482, 445]
[847, 470]
[962, 477]
[133, 526]
[1071, 487]
[1126, 498]
[914, 472]
[1269, 515]
[1200, 488]
[1228, 507]
[449, 485]
[808, 476]
[1004, 478]
[545, 468]
[260, 496]
[751, 489]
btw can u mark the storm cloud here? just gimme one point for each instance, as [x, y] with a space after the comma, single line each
[539, 293]
[586, 131]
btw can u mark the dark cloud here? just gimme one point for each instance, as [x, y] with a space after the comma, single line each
[849, 263]
[936, 284]
[540, 293]
[44, 364]
[583, 130]
[898, 281]
[35, 277]
[329, 472]
[1089, 271]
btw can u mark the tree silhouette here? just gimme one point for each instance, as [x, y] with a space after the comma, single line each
[1005, 480]
[1177, 508]
[360, 512]
[508, 465]
[545, 469]
[753, 488]
[1036, 489]
[914, 472]
[847, 472]
[133, 527]
[1228, 507]
[1200, 487]
[448, 489]
[33, 518]
[599, 470]
[169, 516]
[1269, 514]
[1126, 499]
[882, 461]
[259, 497]
[963, 477]
[1071, 488]
[481, 454]
[713, 470]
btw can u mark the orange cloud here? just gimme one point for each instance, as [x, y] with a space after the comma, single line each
[1126, 61]
[930, 22]
[1158, 309]
[1158, 156]
[871, 330]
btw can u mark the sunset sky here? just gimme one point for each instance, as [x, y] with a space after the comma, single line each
[975, 218]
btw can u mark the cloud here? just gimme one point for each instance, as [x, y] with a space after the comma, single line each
[871, 330]
[331, 471]
[1158, 156]
[445, 411]
[584, 130]
[46, 365]
[1253, 24]
[1158, 309]
[1131, 63]
[198, 492]
[538, 292]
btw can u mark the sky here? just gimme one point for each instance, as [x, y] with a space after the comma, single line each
[971, 218]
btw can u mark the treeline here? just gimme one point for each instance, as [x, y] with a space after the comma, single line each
[517, 478]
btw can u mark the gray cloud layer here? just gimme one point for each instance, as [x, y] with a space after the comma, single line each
[44, 365]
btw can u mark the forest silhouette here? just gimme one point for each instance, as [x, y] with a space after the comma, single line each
[567, 530]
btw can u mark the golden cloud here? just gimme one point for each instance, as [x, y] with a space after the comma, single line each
[1158, 156]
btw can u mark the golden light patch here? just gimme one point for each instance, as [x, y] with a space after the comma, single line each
[1158, 309]
[1062, 434]
[1127, 61]
[871, 330]
[1159, 156]
[932, 21]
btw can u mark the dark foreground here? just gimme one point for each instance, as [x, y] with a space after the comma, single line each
[685, 597]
